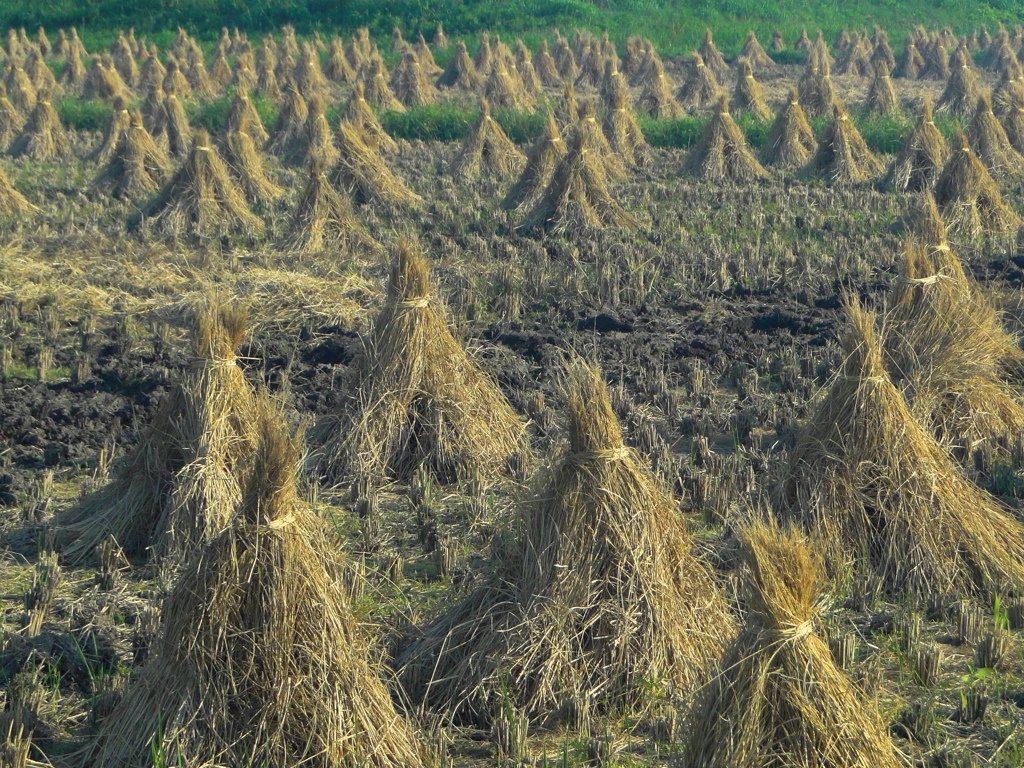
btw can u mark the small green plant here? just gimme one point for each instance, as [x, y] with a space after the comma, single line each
[84, 114]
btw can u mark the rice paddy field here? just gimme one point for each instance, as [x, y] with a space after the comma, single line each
[471, 399]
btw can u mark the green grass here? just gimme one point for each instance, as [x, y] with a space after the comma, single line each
[452, 122]
[212, 115]
[83, 114]
[674, 26]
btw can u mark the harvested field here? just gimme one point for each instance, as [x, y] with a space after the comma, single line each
[394, 326]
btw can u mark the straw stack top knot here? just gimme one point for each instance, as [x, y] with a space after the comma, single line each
[784, 583]
[863, 355]
[593, 428]
[218, 330]
[270, 498]
[410, 276]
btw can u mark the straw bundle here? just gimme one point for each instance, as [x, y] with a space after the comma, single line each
[318, 139]
[567, 110]
[600, 597]
[376, 88]
[722, 152]
[656, 97]
[925, 223]
[199, 79]
[153, 72]
[790, 142]
[778, 43]
[201, 199]
[505, 89]
[843, 157]
[487, 150]
[12, 202]
[922, 156]
[1002, 57]
[754, 53]
[181, 485]
[881, 95]
[361, 171]
[700, 89]
[911, 62]
[624, 135]
[153, 107]
[1013, 123]
[220, 69]
[990, 143]
[803, 43]
[577, 195]
[260, 660]
[409, 82]
[440, 38]
[748, 96]
[172, 127]
[857, 59]
[962, 91]
[337, 68]
[117, 127]
[243, 77]
[358, 113]
[527, 73]
[420, 399]
[175, 82]
[967, 196]
[502, 53]
[307, 76]
[545, 67]
[11, 121]
[819, 52]
[324, 220]
[883, 52]
[936, 61]
[1009, 88]
[781, 699]
[138, 167]
[711, 55]
[290, 129]
[43, 136]
[266, 71]
[591, 65]
[124, 61]
[20, 90]
[72, 77]
[426, 56]
[289, 47]
[460, 72]
[243, 159]
[613, 85]
[40, 74]
[565, 60]
[633, 56]
[594, 141]
[541, 162]
[817, 94]
[948, 350]
[482, 59]
[62, 48]
[875, 489]
[243, 113]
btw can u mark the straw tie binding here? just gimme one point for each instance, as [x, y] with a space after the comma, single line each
[864, 379]
[420, 303]
[610, 454]
[280, 523]
[793, 633]
[930, 280]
